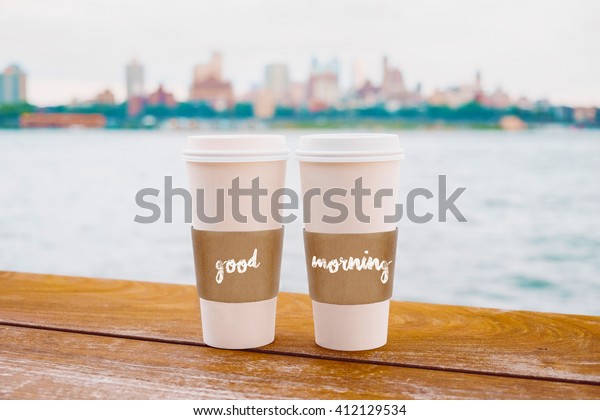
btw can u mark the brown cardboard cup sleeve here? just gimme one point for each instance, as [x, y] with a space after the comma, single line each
[350, 268]
[237, 267]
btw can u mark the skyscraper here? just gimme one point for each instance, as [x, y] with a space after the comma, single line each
[277, 81]
[392, 84]
[264, 104]
[134, 75]
[13, 85]
[323, 89]
[359, 74]
[211, 70]
[208, 84]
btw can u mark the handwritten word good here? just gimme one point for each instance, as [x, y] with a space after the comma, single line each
[231, 266]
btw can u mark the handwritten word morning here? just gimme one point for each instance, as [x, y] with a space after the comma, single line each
[352, 263]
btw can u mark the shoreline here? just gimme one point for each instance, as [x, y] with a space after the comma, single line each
[254, 126]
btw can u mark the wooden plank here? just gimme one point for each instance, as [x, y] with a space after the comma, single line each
[518, 343]
[45, 364]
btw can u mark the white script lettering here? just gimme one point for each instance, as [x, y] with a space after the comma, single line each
[230, 266]
[353, 263]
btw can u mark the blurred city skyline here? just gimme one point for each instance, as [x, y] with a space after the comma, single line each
[539, 50]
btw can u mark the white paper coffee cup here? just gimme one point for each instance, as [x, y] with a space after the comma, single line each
[334, 161]
[213, 163]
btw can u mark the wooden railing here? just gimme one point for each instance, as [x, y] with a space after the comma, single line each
[71, 337]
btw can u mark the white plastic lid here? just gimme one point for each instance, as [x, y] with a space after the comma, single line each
[236, 148]
[351, 147]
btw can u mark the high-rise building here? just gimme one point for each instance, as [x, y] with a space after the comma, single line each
[264, 104]
[392, 83]
[134, 74]
[323, 88]
[477, 85]
[13, 85]
[359, 74]
[211, 70]
[134, 77]
[277, 81]
[208, 84]
[297, 95]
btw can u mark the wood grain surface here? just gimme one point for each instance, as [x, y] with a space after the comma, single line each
[435, 337]
[46, 364]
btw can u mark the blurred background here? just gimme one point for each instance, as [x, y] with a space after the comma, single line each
[98, 97]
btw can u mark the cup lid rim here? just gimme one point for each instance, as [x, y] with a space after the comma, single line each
[273, 148]
[349, 147]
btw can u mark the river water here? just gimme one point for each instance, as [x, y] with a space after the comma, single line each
[532, 201]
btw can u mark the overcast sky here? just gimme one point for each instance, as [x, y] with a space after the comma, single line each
[74, 48]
